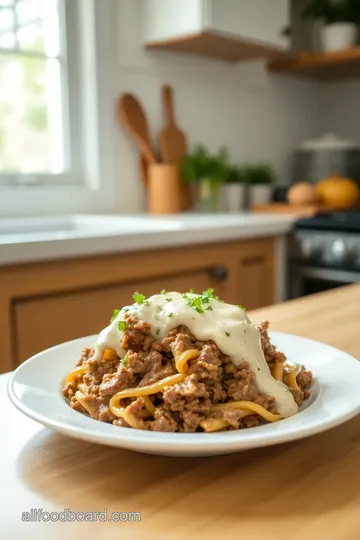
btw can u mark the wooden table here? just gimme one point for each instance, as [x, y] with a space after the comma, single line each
[307, 489]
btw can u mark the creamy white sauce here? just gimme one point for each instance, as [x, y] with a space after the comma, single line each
[227, 325]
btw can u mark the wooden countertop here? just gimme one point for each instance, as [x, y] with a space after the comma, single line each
[306, 489]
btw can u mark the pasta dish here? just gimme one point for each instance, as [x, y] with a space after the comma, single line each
[185, 363]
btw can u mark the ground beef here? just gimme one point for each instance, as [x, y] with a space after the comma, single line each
[164, 420]
[304, 379]
[156, 367]
[97, 408]
[115, 382]
[272, 355]
[137, 333]
[211, 378]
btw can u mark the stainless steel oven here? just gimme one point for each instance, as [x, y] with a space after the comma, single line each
[324, 253]
[306, 280]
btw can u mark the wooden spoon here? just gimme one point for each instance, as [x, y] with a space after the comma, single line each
[173, 144]
[131, 114]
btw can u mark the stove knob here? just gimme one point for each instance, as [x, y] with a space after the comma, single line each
[340, 252]
[309, 248]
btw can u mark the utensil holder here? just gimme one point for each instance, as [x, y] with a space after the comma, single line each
[164, 195]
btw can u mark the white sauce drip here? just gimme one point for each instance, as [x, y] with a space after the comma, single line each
[227, 325]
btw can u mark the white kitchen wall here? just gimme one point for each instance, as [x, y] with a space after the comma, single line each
[340, 109]
[256, 116]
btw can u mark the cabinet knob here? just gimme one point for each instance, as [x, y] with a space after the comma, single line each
[219, 272]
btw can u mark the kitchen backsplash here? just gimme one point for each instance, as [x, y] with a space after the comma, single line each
[257, 116]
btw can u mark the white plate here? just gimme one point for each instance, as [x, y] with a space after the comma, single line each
[35, 389]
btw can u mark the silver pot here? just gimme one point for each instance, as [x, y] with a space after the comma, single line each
[324, 157]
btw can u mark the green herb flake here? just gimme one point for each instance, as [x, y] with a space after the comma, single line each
[126, 309]
[228, 334]
[163, 291]
[115, 314]
[158, 330]
[121, 326]
[167, 299]
[159, 308]
[125, 361]
[170, 315]
[197, 302]
[242, 307]
[140, 299]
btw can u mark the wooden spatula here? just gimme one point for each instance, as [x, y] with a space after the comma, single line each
[143, 169]
[173, 143]
[131, 114]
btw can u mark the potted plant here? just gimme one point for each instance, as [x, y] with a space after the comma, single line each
[260, 179]
[340, 19]
[206, 172]
[234, 190]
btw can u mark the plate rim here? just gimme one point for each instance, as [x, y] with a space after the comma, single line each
[185, 442]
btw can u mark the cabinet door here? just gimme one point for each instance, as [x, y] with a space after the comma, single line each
[43, 322]
[259, 20]
[167, 19]
[256, 279]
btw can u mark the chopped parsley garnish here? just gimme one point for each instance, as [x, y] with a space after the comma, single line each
[126, 309]
[167, 299]
[228, 334]
[242, 307]
[163, 291]
[159, 308]
[125, 361]
[197, 301]
[158, 330]
[170, 315]
[140, 299]
[121, 326]
[115, 314]
[195, 304]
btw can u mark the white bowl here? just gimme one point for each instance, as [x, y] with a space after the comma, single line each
[35, 389]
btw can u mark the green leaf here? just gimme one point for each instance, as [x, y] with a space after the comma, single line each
[115, 314]
[140, 298]
[121, 326]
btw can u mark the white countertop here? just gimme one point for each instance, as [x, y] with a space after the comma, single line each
[34, 239]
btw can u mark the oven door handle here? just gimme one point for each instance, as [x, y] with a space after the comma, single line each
[341, 276]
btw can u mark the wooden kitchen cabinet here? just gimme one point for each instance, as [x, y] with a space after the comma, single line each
[231, 30]
[47, 303]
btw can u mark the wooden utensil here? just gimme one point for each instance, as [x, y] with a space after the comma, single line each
[133, 117]
[173, 143]
[143, 169]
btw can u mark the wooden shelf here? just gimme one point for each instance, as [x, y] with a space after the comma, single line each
[321, 66]
[217, 45]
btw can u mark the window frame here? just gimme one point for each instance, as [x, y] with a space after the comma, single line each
[90, 184]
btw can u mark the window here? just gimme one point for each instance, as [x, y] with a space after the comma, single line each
[57, 100]
[33, 91]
